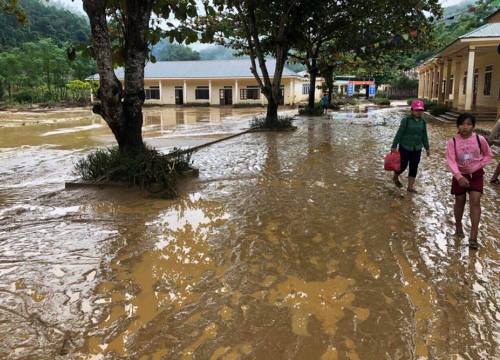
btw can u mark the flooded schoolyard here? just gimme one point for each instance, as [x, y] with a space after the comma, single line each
[288, 246]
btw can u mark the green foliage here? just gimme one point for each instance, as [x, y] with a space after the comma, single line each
[148, 169]
[344, 101]
[381, 101]
[217, 52]
[262, 123]
[317, 110]
[41, 20]
[42, 69]
[445, 32]
[24, 96]
[79, 90]
[404, 82]
[166, 51]
[439, 109]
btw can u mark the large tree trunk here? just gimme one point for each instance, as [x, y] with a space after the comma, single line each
[272, 112]
[313, 74]
[121, 109]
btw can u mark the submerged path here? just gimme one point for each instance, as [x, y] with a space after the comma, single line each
[290, 246]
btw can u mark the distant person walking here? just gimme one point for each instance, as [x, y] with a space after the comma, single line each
[411, 138]
[467, 154]
[494, 178]
[324, 103]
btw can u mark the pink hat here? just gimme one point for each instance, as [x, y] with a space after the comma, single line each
[417, 105]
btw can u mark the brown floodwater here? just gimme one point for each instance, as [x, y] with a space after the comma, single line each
[288, 246]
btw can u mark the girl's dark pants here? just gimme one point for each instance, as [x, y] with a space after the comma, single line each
[411, 157]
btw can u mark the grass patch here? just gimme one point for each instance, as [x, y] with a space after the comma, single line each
[148, 169]
[283, 123]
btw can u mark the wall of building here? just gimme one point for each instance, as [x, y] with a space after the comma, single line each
[292, 91]
[458, 68]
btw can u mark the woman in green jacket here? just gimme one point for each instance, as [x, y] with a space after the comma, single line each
[411, 138]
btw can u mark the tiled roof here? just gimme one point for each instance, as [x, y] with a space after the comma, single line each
[210, 69]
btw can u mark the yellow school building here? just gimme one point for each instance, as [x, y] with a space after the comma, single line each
[215, 82]
[466, 74]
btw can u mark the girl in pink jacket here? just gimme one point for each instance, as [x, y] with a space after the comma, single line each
[467, 154]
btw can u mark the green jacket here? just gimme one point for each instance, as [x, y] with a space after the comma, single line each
[412, 134]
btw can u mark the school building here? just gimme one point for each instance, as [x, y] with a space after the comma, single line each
[466, 74]
[214, 82]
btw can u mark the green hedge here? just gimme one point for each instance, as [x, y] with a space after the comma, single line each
[317, 110]
[381, 101]
[439, 109]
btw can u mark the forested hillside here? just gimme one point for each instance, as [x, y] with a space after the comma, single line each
[43, 20]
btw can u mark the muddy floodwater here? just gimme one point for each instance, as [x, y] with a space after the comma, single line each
[288, 246]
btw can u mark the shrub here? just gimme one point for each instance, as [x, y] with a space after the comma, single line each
[344, 101]
[439, 109]
[262, 123]
[317, 110]
[147, 169]
[381, 101]
[24, 97]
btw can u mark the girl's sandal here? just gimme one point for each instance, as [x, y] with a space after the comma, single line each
[413, 191]
[473, 244]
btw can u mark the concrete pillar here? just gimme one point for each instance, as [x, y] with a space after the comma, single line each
[184, 93]
[433, 86]
[447, 90]
[292, 94]
[159, 83]
[457, 77]
[441, 91]
[236, 92]
[209, 92]
[470, 78]
[429, 84]
[424, 90]
[91, 96]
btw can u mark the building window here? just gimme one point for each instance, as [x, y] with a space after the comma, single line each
[250, 93]
[443, 86]
[305, 89]
[465, 83]
[201, 93]
[487, 80]
[153, 92]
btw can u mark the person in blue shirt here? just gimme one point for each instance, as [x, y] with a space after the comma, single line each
[324, 103]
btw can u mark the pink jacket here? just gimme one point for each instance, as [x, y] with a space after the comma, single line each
[467, 158]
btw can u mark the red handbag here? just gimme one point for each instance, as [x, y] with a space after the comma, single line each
[392, 161]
